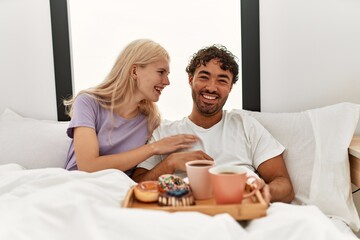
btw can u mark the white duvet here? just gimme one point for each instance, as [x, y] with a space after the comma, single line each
[53, 203]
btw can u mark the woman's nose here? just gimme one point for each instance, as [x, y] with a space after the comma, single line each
[166, 81]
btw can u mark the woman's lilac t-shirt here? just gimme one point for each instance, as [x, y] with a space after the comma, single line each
[115, 134]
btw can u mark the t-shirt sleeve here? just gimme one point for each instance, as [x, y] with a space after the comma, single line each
[263, 145]
[85, 110]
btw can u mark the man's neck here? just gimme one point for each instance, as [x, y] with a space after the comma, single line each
[205, 121]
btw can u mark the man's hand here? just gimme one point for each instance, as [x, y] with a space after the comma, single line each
[177, 160]
[263, 188]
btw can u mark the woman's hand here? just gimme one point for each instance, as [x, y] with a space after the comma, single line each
[174, 143]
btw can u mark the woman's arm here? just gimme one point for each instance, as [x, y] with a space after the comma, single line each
[87, 151]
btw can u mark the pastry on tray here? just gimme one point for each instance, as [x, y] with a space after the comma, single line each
[176, 198]
[174, 191]
[169, 190]
[147, 191]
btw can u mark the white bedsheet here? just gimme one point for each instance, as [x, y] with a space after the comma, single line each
[55, 204]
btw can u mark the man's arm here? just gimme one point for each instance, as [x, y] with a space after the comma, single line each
[141, 174]
[275, 174]
[175, 161]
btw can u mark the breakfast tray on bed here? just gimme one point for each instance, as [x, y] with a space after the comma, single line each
[250, 208]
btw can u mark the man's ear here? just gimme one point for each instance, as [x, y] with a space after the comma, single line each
[191, 78]
[232, 84]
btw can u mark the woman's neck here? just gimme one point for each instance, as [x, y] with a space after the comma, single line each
[127, 110]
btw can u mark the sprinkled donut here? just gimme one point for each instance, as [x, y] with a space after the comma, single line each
[174, 191]
[170, 182]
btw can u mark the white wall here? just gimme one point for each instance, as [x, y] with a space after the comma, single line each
[310, 53]
[27, 82]
[100, 29]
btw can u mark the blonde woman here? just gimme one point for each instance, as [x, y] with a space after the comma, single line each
[111, 122]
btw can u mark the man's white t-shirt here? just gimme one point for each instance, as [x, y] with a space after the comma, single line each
[237, 139]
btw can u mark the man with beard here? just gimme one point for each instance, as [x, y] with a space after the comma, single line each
[226, 137]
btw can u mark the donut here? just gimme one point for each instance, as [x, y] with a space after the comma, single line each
[147, 191]
[174, 191]
[170, 182]
[168, 199]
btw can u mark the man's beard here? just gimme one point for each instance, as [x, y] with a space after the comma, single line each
[204, 109]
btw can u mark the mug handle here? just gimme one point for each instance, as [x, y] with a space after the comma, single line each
[254, 189]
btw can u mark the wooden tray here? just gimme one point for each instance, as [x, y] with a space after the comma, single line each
[250, 208]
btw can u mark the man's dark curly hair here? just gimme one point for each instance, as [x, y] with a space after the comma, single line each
[219, 52]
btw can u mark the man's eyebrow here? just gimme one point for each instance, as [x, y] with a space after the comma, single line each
[224, 76]
[204, 72]
[219, 76]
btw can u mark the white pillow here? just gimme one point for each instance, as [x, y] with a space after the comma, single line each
[316, 155]
[32, 143]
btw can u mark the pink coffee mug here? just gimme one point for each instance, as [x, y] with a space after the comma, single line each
[199, 178]
[228, 183]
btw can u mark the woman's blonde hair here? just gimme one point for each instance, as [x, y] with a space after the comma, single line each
[119, 86]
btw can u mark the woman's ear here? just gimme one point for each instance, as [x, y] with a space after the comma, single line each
[133, 71]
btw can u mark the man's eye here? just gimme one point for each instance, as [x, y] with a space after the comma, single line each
[223, 81]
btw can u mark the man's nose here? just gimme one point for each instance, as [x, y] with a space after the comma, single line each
[211, 86]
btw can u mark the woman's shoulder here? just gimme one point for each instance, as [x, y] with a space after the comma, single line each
[86, 103]
[86, 99]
